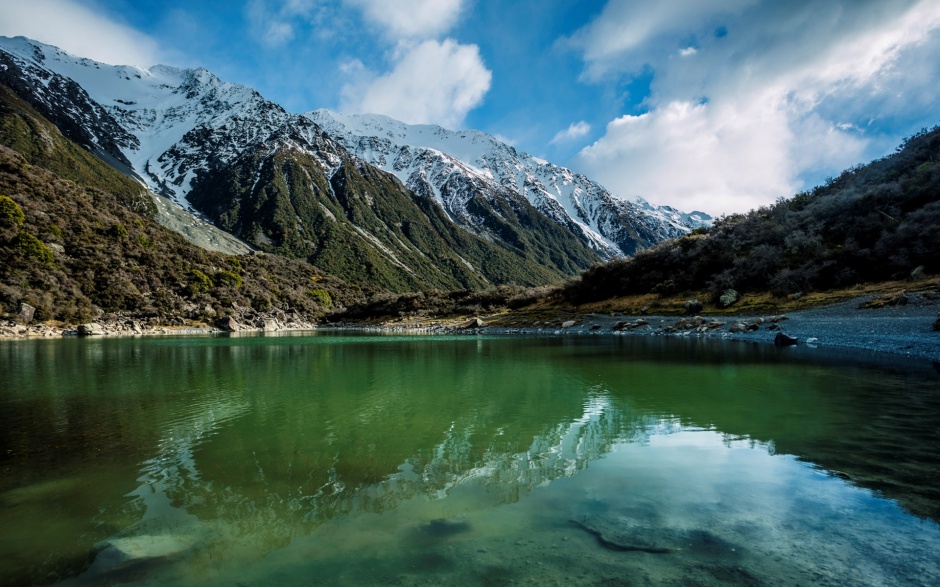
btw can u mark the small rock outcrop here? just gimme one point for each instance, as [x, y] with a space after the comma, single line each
[26, 314]
[476, 323]
[271, 325]
[227, 324]
[90, 329]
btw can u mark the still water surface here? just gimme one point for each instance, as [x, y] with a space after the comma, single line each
[356, 460]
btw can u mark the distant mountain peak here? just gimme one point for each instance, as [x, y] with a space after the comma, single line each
[427, 157]
[469, 209]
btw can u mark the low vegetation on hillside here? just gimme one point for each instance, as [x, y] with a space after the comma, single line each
[873, 223]
[78, 240]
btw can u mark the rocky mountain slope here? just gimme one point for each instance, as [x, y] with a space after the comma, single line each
[365, 198]
[455, 168]
[78, 242]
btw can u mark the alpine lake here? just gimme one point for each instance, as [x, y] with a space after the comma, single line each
[333, 458]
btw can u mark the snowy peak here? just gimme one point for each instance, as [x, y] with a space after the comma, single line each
[170, 123]
[428, 159]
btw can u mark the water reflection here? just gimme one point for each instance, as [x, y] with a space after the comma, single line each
[229, 453]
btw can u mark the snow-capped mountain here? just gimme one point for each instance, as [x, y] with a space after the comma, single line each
[320, 186]
[451, 166]
[150, 119]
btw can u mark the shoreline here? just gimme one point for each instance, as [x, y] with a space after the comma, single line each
[905, 330]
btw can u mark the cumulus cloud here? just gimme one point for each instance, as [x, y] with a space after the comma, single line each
[78, 30]
[433, 82]
[773, 93]
[575, 131]
[424, 19]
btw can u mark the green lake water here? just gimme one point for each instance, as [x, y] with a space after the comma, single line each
[338, 459]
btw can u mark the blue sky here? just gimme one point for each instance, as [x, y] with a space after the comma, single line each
[719, 106]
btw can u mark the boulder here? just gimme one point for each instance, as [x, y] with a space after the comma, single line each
[475, 323]
[26, 314]
[270, 325]
[782, 339]
[568, 323]
[737, 327]
[90, 329]
[227, 324]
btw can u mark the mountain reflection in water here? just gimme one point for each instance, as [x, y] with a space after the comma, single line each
[191, 459]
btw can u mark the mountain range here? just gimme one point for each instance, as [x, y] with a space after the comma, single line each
[366, 198]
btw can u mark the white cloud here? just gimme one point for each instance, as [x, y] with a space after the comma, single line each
[79, 30]
[433, 82]
[575, 130]
[776, 92]
[274, 23]
[619, 38]
[415, 19]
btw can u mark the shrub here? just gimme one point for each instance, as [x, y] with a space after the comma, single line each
[117, 231]
[11, 211]
[228, 278]
[322, 297]
[199, 282]
[31, 247]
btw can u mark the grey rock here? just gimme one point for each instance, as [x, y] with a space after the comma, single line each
[26, 314]
[227, 324]
[568, 323]
[476, 323]
[737, 327]
[90, 329]
[782, 339]
[271, 325]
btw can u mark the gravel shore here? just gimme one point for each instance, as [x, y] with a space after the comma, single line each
[896, 329]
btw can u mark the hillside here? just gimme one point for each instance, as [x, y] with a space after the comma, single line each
[873, 223]
[284, 184]
[78, 241]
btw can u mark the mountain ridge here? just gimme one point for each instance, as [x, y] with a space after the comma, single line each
[430, 160]
[185, 134]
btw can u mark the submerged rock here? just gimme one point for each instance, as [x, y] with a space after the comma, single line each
[782, 339]
[440, 529]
